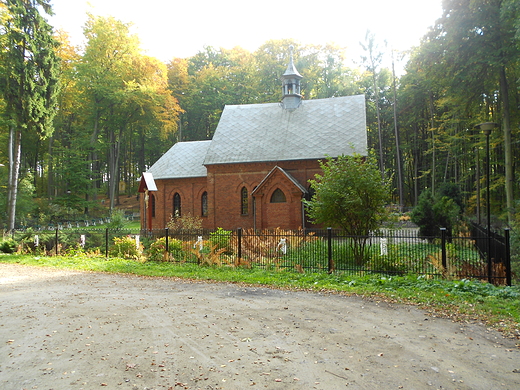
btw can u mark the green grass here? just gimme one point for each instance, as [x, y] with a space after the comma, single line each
[133, 225]
[464, 300]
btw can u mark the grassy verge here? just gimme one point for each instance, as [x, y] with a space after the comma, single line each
[498, 307]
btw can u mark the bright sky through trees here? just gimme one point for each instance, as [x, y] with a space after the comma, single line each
[169, 29]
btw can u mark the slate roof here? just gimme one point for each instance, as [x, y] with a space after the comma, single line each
[184, 159]
[267, 132]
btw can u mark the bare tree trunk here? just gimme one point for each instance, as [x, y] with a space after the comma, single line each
[507, 143]
[10, 153]
[415, 153]
[397, 144]
[374, 61]
[379, 131]
[15, 149]
[50, 170]
[432, 111]
[94, 163]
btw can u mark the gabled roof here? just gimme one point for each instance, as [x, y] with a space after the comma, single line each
[286, 174]
[267, 132]
[184, 159]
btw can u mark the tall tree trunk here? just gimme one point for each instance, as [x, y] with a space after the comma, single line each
[379, 132]
[415, 152]
[94, 160]
[374, 61]
[397, 146]
[113, 165]
[50, 169]
[446, 166]
[506, 124]
[15, 153]
[432, 118]
[141, 158]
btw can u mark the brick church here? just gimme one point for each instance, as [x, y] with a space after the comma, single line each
[254, 173]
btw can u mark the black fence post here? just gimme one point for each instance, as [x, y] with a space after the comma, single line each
[166, 234]
[56, 242]
[329, 250]
[508, 256]
[443, 249]
[239, 249]
[106, 243]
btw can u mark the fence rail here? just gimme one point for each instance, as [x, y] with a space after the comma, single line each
[387, 251]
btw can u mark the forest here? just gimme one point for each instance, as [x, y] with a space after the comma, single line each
[80, 124]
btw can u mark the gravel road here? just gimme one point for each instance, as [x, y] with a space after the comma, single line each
[78, 330]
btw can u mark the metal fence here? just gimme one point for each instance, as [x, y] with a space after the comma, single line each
[387, 251]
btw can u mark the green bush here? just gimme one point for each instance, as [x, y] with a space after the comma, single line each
[388, 264]
[47, 241]
[117, 219]
[157, 249]
[94, 241]
[185, 223]
[435, 212]
[8, 246]
[310, 255]
[317, 250]
[126, 247]
[221, 239]
[26, 241]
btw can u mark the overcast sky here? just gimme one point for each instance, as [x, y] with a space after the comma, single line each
[173, 28]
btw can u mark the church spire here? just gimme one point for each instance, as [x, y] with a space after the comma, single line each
[291, 99]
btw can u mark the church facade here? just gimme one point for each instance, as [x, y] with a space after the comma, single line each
[255, 171]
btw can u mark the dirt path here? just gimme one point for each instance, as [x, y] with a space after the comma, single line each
[74, 330]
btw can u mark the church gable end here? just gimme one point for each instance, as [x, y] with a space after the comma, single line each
[278, 200]
[279, 177]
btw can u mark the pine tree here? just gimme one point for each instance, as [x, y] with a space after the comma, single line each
[29, 83]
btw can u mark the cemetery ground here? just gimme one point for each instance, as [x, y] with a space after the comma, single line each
[68, 329]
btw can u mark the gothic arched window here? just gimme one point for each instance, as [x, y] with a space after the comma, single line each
[176, 205]
[152, 204]
[244, 201]
[204, 204]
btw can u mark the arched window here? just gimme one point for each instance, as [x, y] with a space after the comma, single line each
[244, 201]
[176, 205]
[204, 204]
[278, 196]
[152, 204]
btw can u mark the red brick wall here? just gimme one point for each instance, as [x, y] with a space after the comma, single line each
[228, 180]
[224, 184]
[190, 191]
[286, 215]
